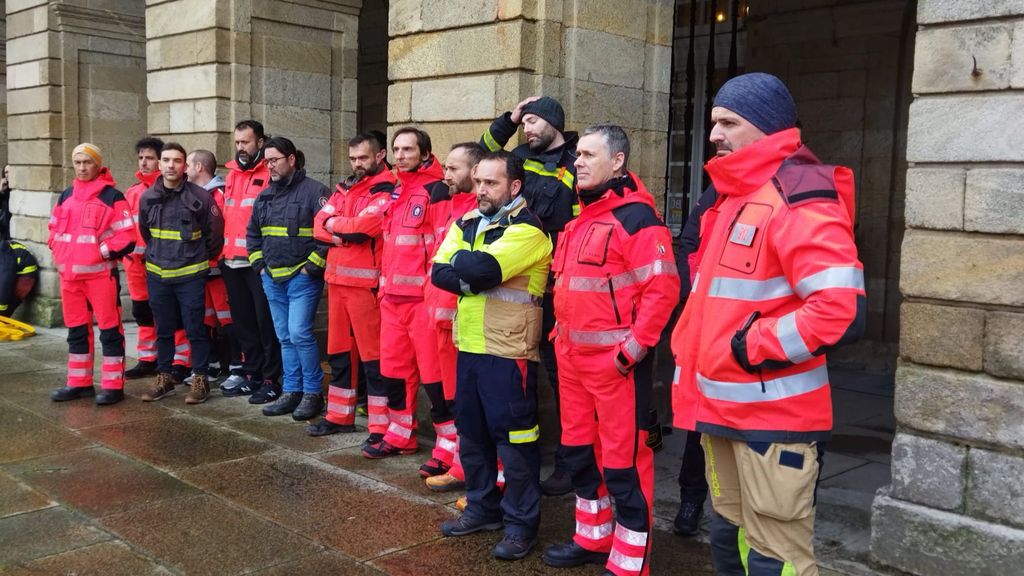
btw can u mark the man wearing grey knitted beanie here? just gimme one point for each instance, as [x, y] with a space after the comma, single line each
[779, 284]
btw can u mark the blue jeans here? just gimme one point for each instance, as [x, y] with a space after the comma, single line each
[292, 306]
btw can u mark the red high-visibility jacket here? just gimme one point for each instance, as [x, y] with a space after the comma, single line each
[351, 223]
[133, 194]
[90, 227]
[409, 237]
[241, 187]
[616, 281]
[778, 284]
[441, 304]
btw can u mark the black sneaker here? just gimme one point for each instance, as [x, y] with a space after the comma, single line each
[286, 404]
[325, 428]
[372, 440]
[570, 554]
[464, 525]
[687, 521]
[267, 392]
[514, 547]
[557, 484]
[310, 407]
[213, 371]
[142, 369]
[237, 385]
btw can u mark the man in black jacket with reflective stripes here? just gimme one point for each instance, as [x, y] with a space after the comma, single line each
[183, 230]
[548, 157]
[290, 263]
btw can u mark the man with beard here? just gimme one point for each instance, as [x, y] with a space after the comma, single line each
[261, 352]
[443, 472]
[350, 223]
[148, 152]
[548, 157]
[408, 345]
[291, 265]
[183, 230]
[495, 260]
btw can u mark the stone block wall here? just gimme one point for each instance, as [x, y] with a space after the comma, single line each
[455, 66]
[75, 72]
[3, 83]
[842, 61]
[291, 66]
[956, 503]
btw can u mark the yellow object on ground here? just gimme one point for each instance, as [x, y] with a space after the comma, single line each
[11, 329]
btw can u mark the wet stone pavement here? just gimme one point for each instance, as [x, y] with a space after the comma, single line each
[161, 488]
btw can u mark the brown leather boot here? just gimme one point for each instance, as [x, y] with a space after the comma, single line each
[200, 390]
[162, 386]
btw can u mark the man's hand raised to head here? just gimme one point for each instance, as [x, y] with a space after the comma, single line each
[517, 112]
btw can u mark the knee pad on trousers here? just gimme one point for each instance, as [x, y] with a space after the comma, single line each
[112, 341]
[624, 485]
[582, 466]
[725, 550]
[394, 389]
[758, 564]
[438, 405]
[142, 313]
[78, 339]
[341, 369]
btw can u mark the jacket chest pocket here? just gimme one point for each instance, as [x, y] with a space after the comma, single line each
[594, 247]
[189, 225]
[415, 212]
[92, 214]
[544, 198]
[291, 214]
[746, 237]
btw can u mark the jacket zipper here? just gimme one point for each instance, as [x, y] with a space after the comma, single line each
[615, 306]
[373, 251]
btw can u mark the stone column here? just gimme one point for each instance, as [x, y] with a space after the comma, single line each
[956, 503]
[3, 83]
[291, 66]
[73, 74]
[456, 65]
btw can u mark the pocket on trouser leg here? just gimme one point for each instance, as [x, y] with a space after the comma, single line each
[779, 479]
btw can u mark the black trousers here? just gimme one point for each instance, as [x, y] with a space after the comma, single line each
[693, 485]
[183, 302]
[252, 324]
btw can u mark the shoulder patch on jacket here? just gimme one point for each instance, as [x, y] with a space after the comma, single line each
[439, 192]
[636, 216]
[802, 179]
[110, 195]
[379, 187]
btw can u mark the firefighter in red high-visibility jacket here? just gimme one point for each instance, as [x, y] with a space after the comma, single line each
[90, 228]
[778, 285]
[616, 284]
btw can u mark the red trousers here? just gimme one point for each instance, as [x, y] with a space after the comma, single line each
[217, 310]
[353, 336]
[408, 349]
[608, 454]
[80, 300]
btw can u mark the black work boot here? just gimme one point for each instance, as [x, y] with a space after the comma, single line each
[310, 407]
[687, 521]
[286, 404]
[514, 547]
[109, 396]
[559, 483]
[72, 393]
[325, 427]
[464, 525]
[569, 554]
[142, 369]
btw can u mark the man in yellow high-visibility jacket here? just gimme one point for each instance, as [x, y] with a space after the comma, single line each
[496, 258]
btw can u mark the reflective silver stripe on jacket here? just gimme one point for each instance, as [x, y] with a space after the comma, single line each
[789, 338]
[774, 389]
[598, 338]
[750, 290]
[370, 273]
[836, 277]
[413, 239]
[628, 278]
[404, 280]
[248, 202]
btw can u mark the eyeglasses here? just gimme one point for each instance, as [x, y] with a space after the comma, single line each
[271, 161]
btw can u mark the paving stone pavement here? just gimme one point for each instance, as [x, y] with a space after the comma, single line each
[220, 489]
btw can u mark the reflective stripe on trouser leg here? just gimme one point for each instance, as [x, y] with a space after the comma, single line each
[401, 429]
[594, 523]
[182, 350]
[445, 446]
[758, 564]
[376, 399]
[341, 397]
[80, 360]
[147, 344]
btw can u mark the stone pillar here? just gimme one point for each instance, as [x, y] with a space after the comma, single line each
[455, 66]
[74, 74]
[291, 66]
[3, 83]
[956, 503]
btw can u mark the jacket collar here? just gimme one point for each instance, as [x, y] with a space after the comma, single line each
[504, 215]
[147, 180]
[384, 175]
[92, 188]
[215, 182]
[749, 168]
[429, 171]
[625, 189]
[291, 182]
[551, 158]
